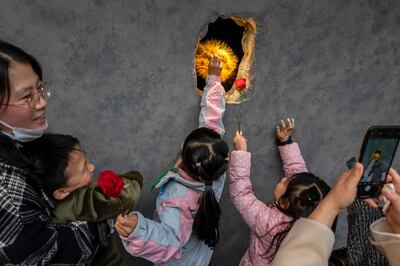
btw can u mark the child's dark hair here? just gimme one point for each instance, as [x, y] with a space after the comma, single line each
[303, 193]
[204, 157]
[50, 155]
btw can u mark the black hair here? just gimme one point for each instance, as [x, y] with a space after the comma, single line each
[8, 54]
[204, 157]
[303, 193]
[10, 152]
[50, 155]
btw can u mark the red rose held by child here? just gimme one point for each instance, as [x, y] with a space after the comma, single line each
[110, 183]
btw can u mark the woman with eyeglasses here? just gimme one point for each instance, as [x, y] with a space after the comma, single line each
[27, 234]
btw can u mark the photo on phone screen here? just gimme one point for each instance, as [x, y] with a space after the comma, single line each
[378, 151]
[377, 159]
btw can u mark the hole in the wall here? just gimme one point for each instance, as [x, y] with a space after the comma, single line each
[231, 39]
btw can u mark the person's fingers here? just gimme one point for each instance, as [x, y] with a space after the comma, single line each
[211, 61]
[355, 174]
[282, 124]
[237, 134]
[238, 137]
[293, 122]
[122, 230]
[350, 178]
[235, 141]
[119, 229]
[391, 196]
[126, 220]
[278, 130]
[381, 197]
[120, 219]
[116, 226]
[289, 123]
[371, 203]
[389, 178]
[395, 179]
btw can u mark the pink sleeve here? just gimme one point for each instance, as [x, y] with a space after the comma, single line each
[162, 241]
[258, 216]
[213, 105]
[293, 162]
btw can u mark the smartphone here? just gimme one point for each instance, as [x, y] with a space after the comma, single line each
[376, 155]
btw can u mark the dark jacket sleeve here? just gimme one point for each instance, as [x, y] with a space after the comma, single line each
[90, 204]
[37, 241]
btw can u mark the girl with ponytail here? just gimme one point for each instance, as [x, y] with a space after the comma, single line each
[296, 195]
[184, 230]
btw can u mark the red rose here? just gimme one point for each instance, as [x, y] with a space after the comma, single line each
[240, 84]
[110, 183]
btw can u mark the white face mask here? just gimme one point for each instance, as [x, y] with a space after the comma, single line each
[24, 134]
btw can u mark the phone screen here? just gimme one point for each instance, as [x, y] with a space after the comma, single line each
[378, 156]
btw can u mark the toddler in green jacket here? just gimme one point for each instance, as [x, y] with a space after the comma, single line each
[66, 174]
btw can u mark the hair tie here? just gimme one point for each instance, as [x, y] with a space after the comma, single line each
[321, 195]
[208, 183]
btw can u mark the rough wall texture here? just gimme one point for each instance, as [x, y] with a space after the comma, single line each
[123, 83]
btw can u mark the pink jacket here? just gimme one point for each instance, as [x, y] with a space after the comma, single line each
[259, 216]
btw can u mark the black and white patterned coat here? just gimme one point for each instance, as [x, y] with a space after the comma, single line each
[27, 234]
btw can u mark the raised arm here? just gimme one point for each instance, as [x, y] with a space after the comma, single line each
[258, 216]
[212, 102]
[292, 160]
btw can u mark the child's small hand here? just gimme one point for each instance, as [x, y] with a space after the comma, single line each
[240, 142]
[214, 66]
[125, 224]
[283, 132]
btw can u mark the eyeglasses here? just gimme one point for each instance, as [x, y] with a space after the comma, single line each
[33, 99]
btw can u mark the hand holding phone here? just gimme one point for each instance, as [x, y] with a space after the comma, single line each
[377, 153]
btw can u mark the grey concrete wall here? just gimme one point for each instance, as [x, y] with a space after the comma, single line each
[122, 81]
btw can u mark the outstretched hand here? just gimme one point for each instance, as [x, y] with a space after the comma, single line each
[126, 224]
[214, 66]
[239, 142]
[284, 131]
